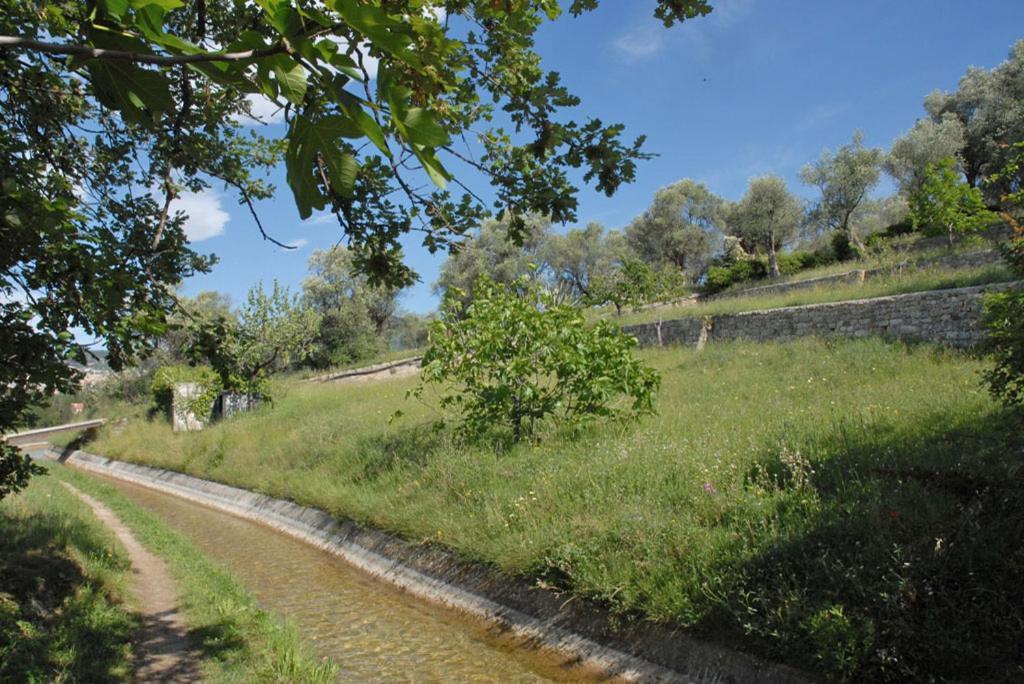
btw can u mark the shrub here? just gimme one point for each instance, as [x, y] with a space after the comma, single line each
[1004, 311]
[794, 262]
[723, 276]
[842, 248]
[515, 357]
[206, 378]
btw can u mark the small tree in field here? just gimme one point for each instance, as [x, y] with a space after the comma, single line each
[514, 358]
[943, 202]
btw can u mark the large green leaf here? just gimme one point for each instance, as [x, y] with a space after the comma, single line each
[313, 141]
[141, 95]
[422, 129]
[290, 76]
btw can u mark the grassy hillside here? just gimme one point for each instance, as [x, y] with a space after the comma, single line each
[852, 507]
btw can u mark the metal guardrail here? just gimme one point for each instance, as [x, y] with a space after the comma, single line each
[29, 435]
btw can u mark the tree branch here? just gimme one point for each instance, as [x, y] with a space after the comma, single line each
[140, 57]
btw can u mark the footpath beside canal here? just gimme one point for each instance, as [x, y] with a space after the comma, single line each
[163, 652]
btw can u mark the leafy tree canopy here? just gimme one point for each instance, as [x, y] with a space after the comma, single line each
[945, 204]
[989, 104]
[766, 218]
[683, 226]
[112, 108]
[844, 180]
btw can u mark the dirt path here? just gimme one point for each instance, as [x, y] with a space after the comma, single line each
[163, 652]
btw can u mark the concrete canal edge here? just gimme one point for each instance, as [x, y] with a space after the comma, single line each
[576, 632]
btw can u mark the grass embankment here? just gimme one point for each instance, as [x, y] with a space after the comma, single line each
[851, 507]
[920, 280]
[63, 583]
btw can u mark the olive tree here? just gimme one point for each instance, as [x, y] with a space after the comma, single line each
[766, 218]
[490, 252]
[928, 142]
[583, 257]
[354, 314]
[683, 226]
[843, 180]
[989, 104]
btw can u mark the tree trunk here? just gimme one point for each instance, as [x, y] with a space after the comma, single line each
[855, 240]
[773, 261]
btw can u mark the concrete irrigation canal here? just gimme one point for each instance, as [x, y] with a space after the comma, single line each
[372, 632]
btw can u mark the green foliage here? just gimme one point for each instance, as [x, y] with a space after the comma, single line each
[493, 253]
[987, 105]
[635, 283]
[201, 405]
[581, 258]
[273, 331]
[944, 204]
[513, 359]
[766, 218]
[843, 180]
[683, 226]
[354, 315]
[842, 248]
[727, 275]
[1004, 311]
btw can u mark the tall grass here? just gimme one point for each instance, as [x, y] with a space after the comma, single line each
[852, 507]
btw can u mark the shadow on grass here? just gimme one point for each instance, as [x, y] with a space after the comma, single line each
[896, 552]
[383, 452]
[54, 624]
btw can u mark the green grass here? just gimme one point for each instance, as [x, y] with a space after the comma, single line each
[61, 578]
[850, 507]
[896, 283]
[84, 636]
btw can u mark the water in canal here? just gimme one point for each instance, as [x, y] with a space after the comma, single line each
[371, 631]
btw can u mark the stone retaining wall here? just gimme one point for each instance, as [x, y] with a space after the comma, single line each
[378, 371]
[945, 316]
[587, 640]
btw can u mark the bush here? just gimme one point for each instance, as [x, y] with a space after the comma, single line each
[723, 276]
[1004, 311]
[166, 378]
[794, 262]
[515, 358]
[842, 248]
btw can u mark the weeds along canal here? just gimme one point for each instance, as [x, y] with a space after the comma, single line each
[373, 632]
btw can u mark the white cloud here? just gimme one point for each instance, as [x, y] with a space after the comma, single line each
[206, 216]
[323, 219]
[263, 109]
[640, 42]
[299, 244]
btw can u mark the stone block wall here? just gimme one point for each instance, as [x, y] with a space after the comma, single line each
[949, 317]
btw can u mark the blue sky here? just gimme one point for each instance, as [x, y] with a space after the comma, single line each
[758, 86]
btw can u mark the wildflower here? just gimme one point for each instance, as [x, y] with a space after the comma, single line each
[710, 488]
[894, 514]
